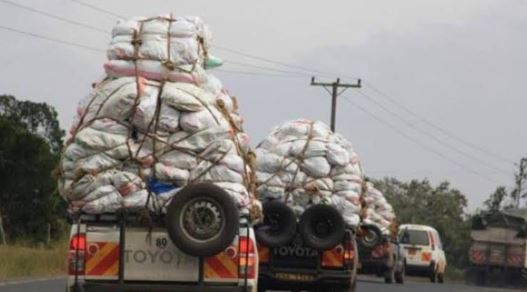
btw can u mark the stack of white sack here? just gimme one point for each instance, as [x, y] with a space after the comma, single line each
[303, 163]
[377, 210]
[136, 141]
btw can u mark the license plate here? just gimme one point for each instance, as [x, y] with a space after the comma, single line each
[412, 251]
[295, 277]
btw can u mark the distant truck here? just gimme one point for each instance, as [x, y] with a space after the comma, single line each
[201, 244]
[381, 255]
[499, 244]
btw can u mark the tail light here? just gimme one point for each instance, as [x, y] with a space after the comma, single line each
[349, 253]
[426, 256]
[247, 260]
[263, 253]
[334, 258]
[77, 254]
[432, 240]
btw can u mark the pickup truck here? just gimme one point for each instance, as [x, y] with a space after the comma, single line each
[499, 244]
[315, 252]
[200, 244]
[381, 255]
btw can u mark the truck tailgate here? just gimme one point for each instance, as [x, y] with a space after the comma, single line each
[148, 256]
[155, 258]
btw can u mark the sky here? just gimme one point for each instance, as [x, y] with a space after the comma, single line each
[443, 95]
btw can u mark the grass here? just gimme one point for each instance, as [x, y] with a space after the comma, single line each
[454, 274]
[19, 261]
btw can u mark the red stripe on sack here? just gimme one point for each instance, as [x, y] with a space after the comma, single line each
[106, 263]
[219, 268]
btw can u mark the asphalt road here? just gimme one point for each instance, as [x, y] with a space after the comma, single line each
[364, 284]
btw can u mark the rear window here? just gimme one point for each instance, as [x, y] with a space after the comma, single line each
[415, 237]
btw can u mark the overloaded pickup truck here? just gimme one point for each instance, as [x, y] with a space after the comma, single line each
[499, 245]
[315, 252]
[201, 244]
[381, 255]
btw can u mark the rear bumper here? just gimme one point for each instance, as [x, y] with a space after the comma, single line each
[419, 270]
[157, 287]
[319, 278]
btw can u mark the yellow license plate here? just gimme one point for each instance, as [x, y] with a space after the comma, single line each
[295, 277]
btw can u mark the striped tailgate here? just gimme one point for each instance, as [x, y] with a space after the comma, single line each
[222, 267]
[102, 260]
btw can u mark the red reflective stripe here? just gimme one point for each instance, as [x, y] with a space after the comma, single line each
[219, 268]
[106, 263]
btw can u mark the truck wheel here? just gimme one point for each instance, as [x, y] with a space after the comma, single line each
[321, 227]
[371, 235]
[399, 276]
[440, 278]
[202, 220]
[389, 275]
[279, 225]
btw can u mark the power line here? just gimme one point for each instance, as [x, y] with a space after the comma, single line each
[436, 127]
[257, 73]
[39, 36]
[415, 141]
[96, 8]
[275, 62]
[227, 62]
[432, 136]
[56, 17]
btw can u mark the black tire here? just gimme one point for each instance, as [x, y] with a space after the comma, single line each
[321, 227]
[440, 278]
[389, 275]
[400, 275]
[433, 273]
[278, 227]
[371, 235]
[218, 215]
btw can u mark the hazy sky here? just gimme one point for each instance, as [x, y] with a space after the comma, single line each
[459, 64]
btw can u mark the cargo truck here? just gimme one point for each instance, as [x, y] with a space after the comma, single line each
[201, 244]
[315, 252]
[499, 245]
[381, 255]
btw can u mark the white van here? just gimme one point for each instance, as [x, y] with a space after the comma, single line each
[424, 251]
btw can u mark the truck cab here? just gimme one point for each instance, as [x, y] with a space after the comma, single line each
[129, 251]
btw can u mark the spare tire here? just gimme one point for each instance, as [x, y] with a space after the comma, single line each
[202, 220]
[278, 227]
[370, 235]
[321, 227]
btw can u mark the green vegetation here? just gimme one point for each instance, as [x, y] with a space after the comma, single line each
[31, 139]
[442, 207]
[20, 261]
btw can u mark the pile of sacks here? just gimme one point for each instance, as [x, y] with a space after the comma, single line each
[303, 162]
[376, 210]
[156, 123]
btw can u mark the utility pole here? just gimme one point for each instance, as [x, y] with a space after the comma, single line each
[334, 94]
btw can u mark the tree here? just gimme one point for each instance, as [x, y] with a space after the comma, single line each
[38, 118]
[496, 200]
[442, 207]
[28, 155]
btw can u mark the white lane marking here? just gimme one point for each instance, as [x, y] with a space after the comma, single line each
[27, 281]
